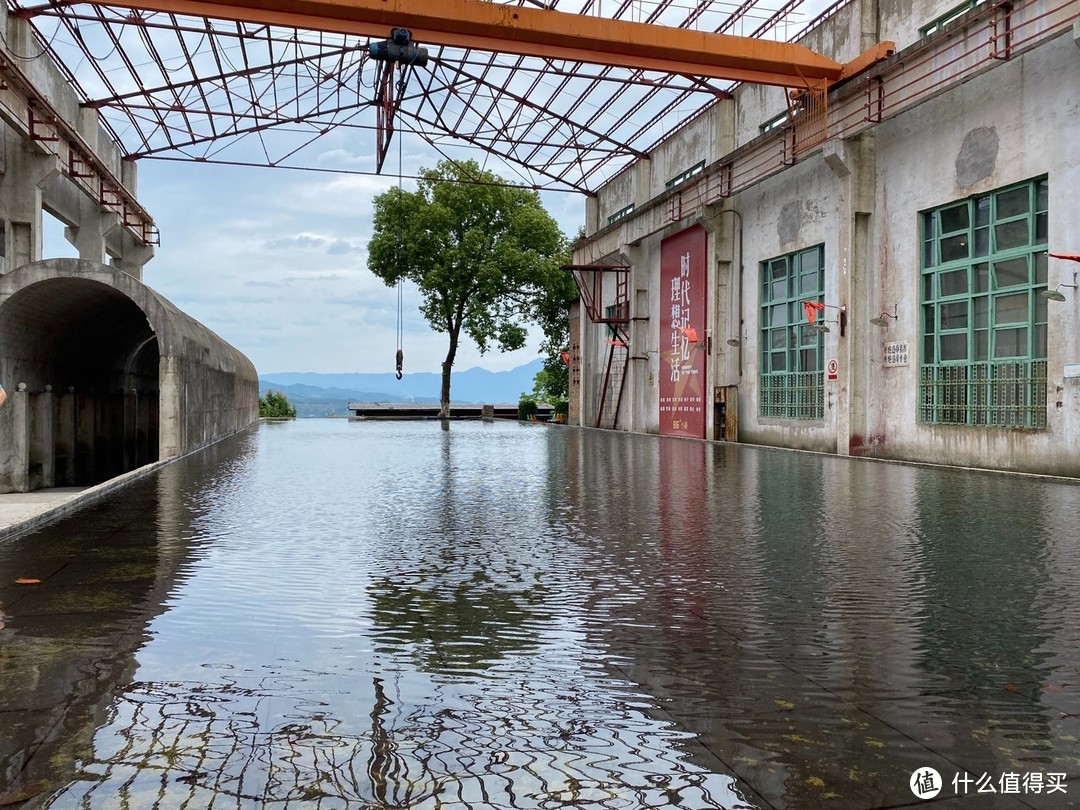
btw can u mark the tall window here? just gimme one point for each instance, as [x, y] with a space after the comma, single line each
[792, 366]
[983, 321]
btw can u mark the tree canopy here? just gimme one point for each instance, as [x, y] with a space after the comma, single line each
[485, 256]
[276, 404]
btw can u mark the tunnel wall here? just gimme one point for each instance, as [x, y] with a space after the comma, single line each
[115, 376]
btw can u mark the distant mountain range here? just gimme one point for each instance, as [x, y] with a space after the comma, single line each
[316, 394]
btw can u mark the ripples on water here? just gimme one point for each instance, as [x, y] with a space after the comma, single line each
[377, 614]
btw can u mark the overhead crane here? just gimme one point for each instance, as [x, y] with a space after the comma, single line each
[551, 34]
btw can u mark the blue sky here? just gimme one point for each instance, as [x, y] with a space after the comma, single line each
[275, 261]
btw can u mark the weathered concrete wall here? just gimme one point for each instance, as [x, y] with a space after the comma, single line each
[861, 198]
[981, 143]
[138, 380]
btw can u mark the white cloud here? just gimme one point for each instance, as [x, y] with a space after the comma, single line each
[275, 262]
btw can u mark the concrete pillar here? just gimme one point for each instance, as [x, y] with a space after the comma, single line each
[23, 175]
[125, 252]
[170, 425]
[130, 432]
[84, 437]
[21, 405]
[64, 439]
[42, 440]
[88, 236]
[852, 162]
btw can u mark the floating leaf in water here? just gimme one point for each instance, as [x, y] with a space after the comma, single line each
[786, 705]
[27, 581]
[816, 781]
[1011, 687]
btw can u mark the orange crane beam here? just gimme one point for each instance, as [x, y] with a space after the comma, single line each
[525, 31]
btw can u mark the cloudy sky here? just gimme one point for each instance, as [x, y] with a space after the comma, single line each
[275, 261]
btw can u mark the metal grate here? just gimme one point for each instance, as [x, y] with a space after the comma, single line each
[1008, 394]
[793, 395]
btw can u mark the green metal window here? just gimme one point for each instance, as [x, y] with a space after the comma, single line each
[983, 321]
[775, 122]
[952, 14]
[694, 170]
[622, 213]
[792, 365]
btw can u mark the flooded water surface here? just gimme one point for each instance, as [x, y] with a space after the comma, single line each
[330, 614]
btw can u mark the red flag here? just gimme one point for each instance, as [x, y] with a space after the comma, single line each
[812, 308]
[690, 332]
[1072, 257]
[565, 357]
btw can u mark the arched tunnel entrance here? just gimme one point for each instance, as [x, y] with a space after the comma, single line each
[93, 349]
[104, 376]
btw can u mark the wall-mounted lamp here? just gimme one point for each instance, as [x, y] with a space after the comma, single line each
[735, 341]
[883, 318]
[813, 307]
[1056, 294]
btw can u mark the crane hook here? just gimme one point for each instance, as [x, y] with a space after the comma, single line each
[400, 358]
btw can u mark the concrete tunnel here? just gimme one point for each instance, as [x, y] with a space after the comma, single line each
[115, 377]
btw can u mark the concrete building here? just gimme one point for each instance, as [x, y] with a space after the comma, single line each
[911, 212]
[103, 375]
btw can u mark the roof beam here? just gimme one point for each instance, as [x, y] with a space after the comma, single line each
[525, 31]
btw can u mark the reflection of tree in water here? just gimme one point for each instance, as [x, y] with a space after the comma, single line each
[469, 624]
[193, 745]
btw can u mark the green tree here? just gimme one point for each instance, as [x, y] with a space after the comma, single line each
[276, 404]
[483, 254]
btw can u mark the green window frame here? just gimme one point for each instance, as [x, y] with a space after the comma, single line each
[682, 177]
[792, 364]
[954, 13]
[984, 324]
[775, 122]
[622, 213]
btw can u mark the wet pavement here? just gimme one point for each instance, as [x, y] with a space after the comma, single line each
[340, 614]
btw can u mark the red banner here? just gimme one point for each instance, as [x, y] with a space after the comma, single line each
[682, 333]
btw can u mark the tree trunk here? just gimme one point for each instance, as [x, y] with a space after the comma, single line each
[448, 363]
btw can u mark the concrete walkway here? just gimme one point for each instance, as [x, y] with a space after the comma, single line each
[22, 511]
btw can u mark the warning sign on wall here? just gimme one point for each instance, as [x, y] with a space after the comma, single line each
[832, 369]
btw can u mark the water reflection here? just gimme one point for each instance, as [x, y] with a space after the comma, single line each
[336, 615]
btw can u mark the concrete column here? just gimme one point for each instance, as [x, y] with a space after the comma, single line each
[84, 437]
[21, 405]
[64, 439]
[852, 162]
[125, 252]
[130, 432]
[42, 439]
[88, 236]
[170, 424]
[23, 175]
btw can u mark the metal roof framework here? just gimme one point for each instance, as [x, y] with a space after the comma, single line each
[183, 87]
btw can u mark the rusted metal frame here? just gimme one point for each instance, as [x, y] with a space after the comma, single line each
[319, 134]
[151, 49]
[736, 15]
[447, 88]
[188, 56]
[604, 72]
[497, 152]
[475, 88]
[96, 65]
[385, 107]
[85, 169]
[521, 100]
[121, 52]
[224, 84]
[531, 32]
[239, 132]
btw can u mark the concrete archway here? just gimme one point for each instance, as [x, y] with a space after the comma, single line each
[115, 377]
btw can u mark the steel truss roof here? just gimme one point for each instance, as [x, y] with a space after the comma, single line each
[174, 86]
